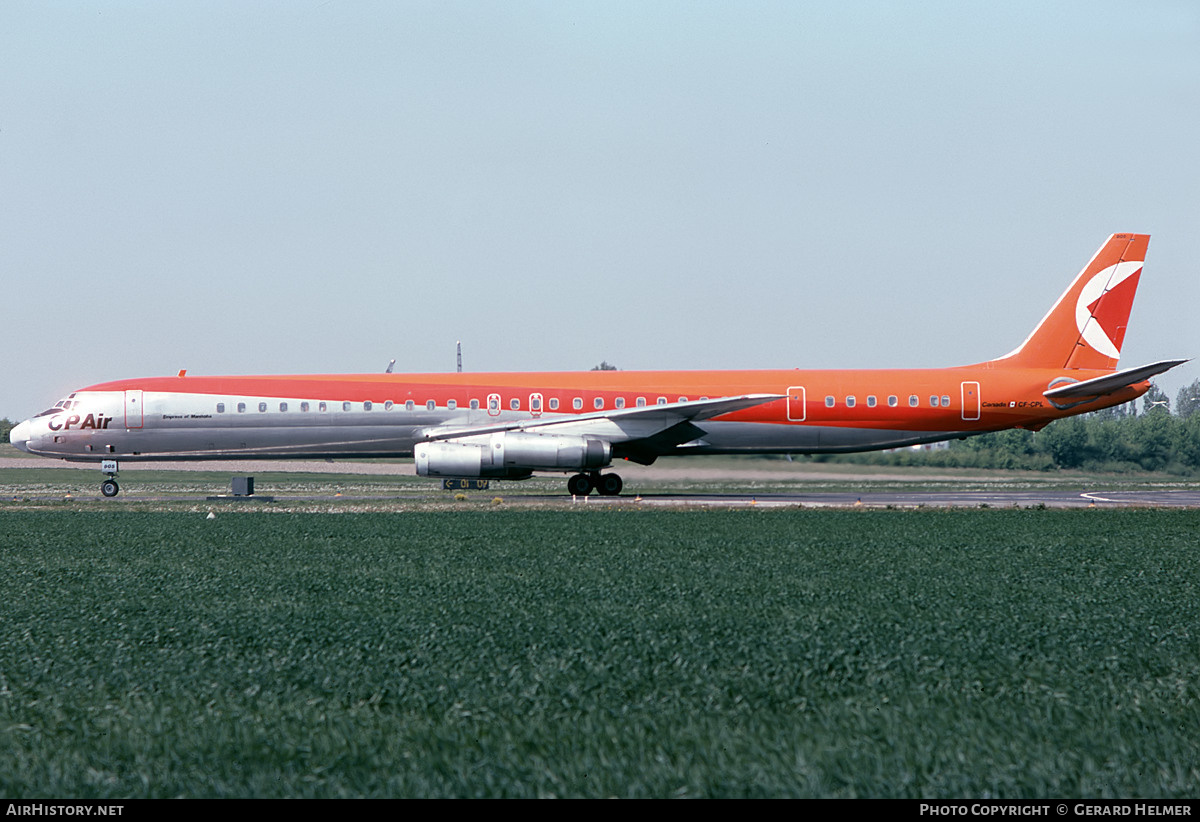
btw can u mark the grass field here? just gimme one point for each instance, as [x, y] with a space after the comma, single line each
[623, 652]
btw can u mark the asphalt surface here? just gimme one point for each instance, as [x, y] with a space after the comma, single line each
[1003, 496]
[1165, 498]
[941, 499]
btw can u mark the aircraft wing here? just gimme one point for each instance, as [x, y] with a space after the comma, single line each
[1110, 382]
[618, 425]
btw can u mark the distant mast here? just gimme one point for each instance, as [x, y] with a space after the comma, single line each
[459, 344]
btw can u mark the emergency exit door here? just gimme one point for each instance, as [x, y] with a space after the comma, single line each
[970, 400]
[133, 409]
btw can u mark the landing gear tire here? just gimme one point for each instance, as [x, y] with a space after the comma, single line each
[109, 488]
[609, 485]
[579, 485]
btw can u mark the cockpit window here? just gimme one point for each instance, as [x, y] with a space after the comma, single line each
[60, 406]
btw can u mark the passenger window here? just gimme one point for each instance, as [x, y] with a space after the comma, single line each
[241, 408]
[304, 406]
[945, 401]
[830, 402]
[933, 401]
[893, 400]
[474, 405]
[871, 401]
[322, 407]
[452, 404]
[850, 401]
[598, 403]
[577, 403]
[683, 399]
[408, 405]
[220, 408]
[554, 403]
[661, 400]
[262, 406]
[914, 400]
[387, 405]
[620, 402]
[283, 406]
[641, 402]
[514, 404]
[345, 406]
[430, 405]
[367, 405]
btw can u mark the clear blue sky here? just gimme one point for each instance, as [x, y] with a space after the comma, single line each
[245, 187]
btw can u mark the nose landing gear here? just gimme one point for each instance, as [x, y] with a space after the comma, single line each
[109, 487]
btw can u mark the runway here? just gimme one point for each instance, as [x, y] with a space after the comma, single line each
[1174, 499]
[1153, 498]
[687, 485]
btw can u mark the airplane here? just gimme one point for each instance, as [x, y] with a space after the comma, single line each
[511, 425]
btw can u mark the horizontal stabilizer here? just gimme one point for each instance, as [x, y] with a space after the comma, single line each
[1110, 382]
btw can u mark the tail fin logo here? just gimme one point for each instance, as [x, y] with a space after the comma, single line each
[1103, 307]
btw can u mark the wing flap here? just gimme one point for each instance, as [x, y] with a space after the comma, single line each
[615, 425]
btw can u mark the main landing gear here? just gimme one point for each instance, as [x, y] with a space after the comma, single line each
[609, 485]
[109, 487]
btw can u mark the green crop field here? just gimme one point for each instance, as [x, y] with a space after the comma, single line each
[485, 651]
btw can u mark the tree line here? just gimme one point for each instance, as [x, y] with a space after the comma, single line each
[1122, 438]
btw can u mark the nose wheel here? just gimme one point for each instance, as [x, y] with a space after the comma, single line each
[609, 485]
[109, 487]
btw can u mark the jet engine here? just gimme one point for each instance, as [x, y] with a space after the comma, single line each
[510, 455]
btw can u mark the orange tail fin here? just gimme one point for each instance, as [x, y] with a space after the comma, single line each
[1086, 327]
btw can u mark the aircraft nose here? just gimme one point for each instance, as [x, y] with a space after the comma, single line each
[19, 436]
